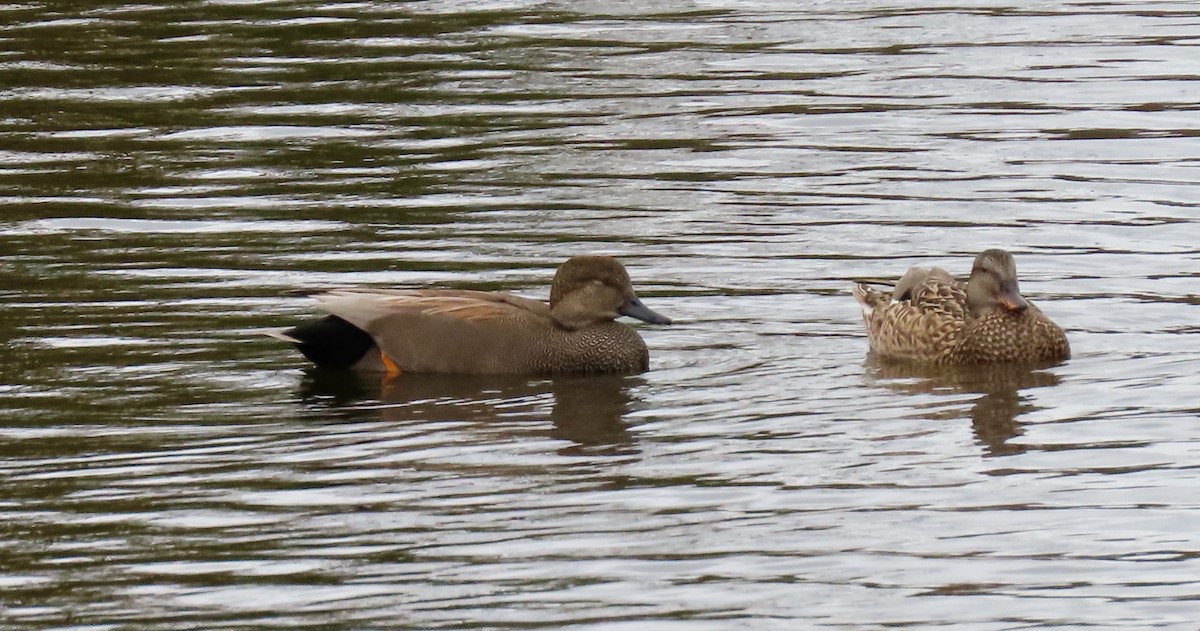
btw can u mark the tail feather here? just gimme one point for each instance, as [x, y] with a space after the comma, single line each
[329, 342]
[282, 334]
[866, 298]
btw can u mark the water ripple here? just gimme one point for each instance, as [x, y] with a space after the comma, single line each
[173, 172]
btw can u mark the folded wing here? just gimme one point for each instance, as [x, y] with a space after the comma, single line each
[441, 331]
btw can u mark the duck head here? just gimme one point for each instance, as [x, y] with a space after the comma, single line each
[993, 284]
[593, 289]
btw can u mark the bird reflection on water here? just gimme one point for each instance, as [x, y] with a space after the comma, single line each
[994, 414]
[588, 411]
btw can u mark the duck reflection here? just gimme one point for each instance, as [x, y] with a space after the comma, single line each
[589, 411]
[994, 414]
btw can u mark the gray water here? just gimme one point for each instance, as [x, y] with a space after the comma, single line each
[169, 172]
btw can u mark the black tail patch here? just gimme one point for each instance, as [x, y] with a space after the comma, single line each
[331, 342]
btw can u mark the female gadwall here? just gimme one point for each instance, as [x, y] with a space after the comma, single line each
[930, 317]
[481, 332]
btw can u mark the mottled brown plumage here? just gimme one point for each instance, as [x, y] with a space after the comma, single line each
[930, 317]
[479, 332]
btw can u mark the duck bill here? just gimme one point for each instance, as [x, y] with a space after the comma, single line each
[635, 309]
[1011, 300]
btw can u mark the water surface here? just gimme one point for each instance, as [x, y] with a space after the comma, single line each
[171, 172]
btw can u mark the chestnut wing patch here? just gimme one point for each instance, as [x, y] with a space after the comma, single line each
[364, 307]
[458, 308]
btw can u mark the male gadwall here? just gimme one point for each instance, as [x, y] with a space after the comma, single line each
[481, 332]
[930, 317]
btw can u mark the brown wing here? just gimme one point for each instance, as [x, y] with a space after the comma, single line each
[529, 304]
[946, 297]
[364, 307]
[442, 331]
[921, 327]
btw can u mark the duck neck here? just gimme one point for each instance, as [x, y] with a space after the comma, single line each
[572, 313]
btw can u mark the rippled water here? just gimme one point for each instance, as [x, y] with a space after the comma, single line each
[169, 172]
